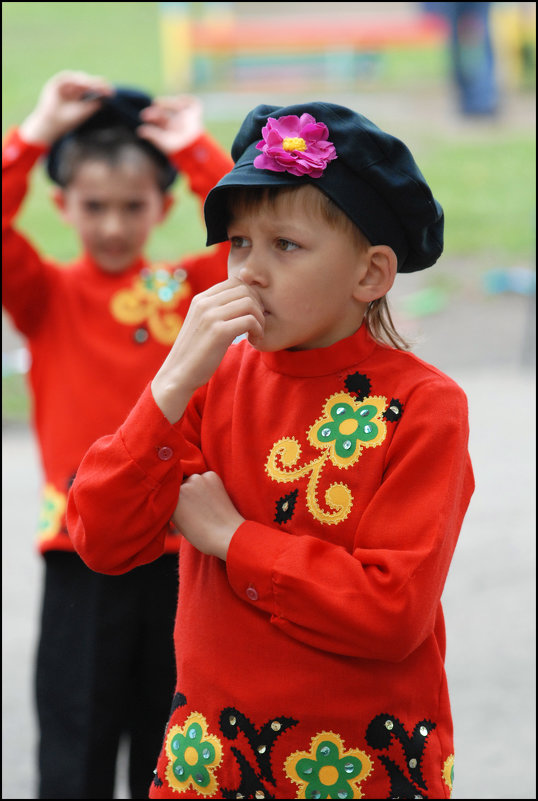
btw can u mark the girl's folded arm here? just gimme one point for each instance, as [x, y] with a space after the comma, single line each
[126, 490]
[379, 599]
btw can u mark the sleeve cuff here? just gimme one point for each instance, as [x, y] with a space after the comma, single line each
[250, 564]
[197, 153]
[14, 148]
[151, 441]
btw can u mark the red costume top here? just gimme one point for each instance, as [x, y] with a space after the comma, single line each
[95, 339]
[311, 663]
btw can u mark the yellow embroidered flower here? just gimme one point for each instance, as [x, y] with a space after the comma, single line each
[448, 772]
[328, 770]
[52, 509]
[193, 755]
[348, 426]
[152, 300]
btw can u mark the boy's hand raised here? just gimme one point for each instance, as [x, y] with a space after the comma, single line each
[215, 318]
[62, 106]
[172, 123]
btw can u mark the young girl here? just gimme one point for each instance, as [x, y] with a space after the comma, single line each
[322, 473]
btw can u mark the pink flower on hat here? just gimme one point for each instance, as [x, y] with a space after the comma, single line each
[298, 145]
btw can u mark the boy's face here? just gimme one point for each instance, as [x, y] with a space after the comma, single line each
[304, 271]
[113, 209]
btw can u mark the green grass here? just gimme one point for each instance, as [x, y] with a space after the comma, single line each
[484, 182]
[487, 191]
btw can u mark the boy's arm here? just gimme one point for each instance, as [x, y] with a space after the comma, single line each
[175, 126]
[204, 163]
[379, 601]
[25, 277]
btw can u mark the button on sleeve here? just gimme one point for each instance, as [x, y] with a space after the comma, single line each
[165, 453]
[252, 593]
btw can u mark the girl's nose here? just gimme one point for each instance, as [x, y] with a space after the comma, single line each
[112, 224]
[253, 273]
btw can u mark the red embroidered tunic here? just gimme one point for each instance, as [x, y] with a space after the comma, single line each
[95, 339]
[311, 663]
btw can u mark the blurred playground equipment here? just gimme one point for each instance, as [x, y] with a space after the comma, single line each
[250, 46]
[253, 45]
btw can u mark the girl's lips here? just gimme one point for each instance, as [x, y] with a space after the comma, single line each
[114, 247]
[114, 251]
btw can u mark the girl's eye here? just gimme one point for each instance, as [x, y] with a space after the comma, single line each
[286, 245]
[93, 206]
[239, 241]
[135, 206]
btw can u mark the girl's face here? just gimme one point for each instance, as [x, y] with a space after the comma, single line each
[303, 270]
[113, 209]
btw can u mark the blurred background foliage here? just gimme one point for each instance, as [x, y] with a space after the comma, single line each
[482, 177]
[481, 170]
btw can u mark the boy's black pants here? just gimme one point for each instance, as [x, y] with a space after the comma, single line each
[105, 668]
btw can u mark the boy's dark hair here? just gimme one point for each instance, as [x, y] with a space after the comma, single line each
[108, 145]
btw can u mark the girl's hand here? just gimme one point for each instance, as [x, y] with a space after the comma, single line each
[172, 123]
[205, 514]
[62, 106]
[215, 318]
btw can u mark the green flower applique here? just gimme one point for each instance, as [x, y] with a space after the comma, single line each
[328, 770]
[164, 284]
[348, 426]
[152, 301]
[193, 755]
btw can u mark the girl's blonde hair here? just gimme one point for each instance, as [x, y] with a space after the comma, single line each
[378, 317]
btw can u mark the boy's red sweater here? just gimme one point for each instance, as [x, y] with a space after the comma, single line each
[311, 663]
[95, 339]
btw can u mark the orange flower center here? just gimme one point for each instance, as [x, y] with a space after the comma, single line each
[328, 775]
[349, 426]
[294, 143]
[191, 756]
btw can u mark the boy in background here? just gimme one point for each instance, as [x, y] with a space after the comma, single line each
[97, 331]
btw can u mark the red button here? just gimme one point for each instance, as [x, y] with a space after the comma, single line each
[165, 453]
[252, 593]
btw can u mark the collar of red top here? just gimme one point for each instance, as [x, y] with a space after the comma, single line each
[88, 263]
[322, 361]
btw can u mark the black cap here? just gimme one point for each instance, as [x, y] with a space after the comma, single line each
[369, 174]
[120, 110]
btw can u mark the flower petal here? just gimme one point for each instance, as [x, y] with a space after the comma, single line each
[311, 161]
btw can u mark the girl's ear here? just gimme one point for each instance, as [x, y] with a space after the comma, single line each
[379, 265]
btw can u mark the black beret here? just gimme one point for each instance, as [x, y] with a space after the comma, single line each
[369, 174]
[120, 110]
